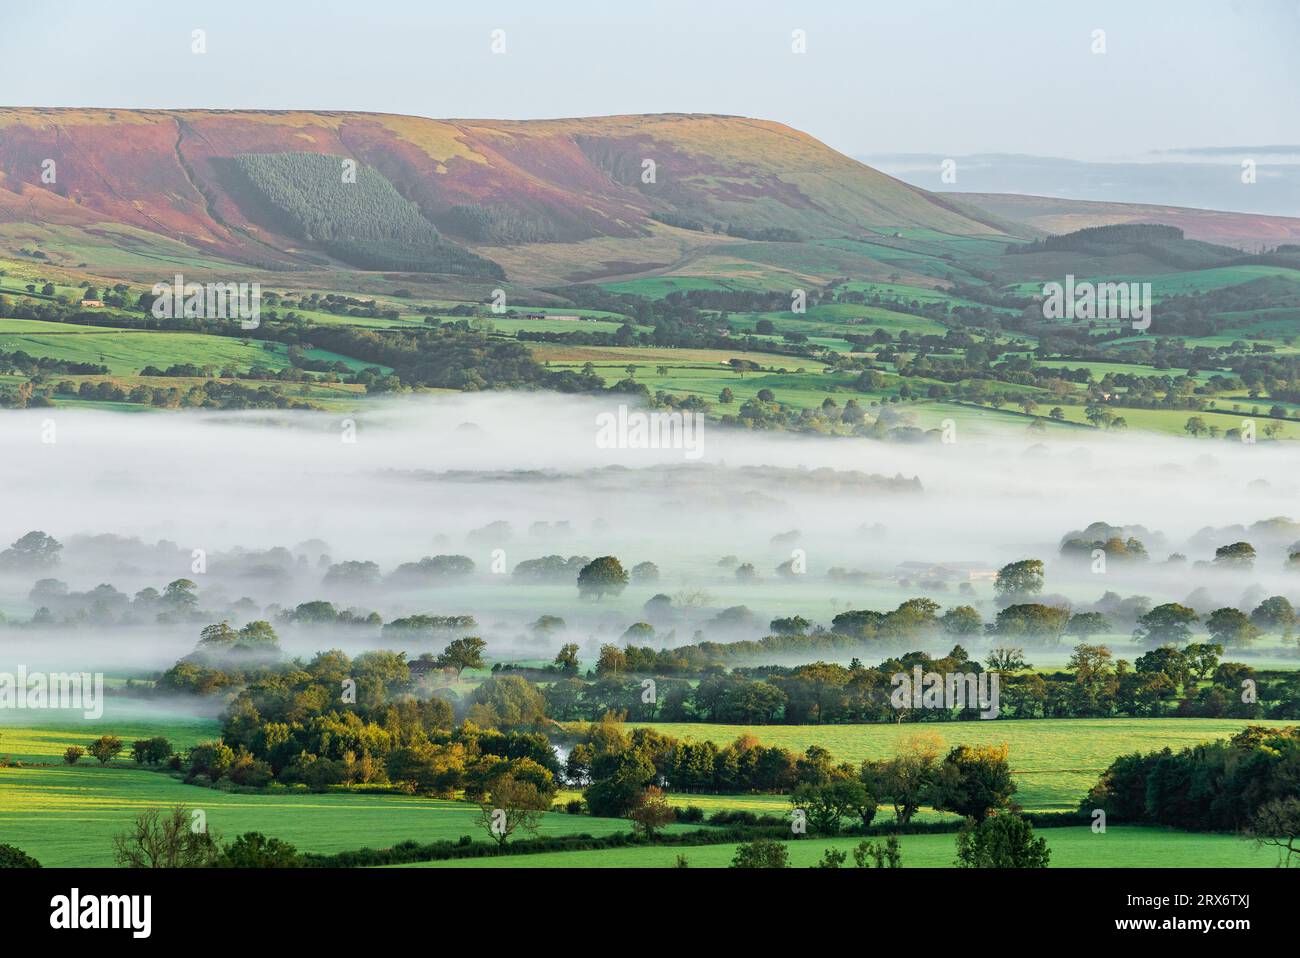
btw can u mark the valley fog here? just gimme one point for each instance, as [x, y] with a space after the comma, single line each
[264, 512]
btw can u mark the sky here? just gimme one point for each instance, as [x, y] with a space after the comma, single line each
[927, 76]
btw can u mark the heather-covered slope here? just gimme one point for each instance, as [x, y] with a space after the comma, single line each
[482, 184]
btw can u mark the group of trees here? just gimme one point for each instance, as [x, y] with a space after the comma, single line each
[618, 767]
[336, 720]
[365, 222]
[1250, 781]
[1187, 680]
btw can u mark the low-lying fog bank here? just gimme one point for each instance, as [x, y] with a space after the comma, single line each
[263, 512]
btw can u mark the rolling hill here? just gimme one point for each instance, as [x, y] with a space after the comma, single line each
[1249, 231]
[548, 200]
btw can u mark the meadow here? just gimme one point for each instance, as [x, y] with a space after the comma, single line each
[1054, 761]
[1121, 846]
[67, 815]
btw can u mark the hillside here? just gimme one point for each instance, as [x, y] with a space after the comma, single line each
[1248, 231]
[557, 199]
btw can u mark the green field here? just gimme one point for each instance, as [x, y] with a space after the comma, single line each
[1075, 847]
[1055, 761]
[68, 816]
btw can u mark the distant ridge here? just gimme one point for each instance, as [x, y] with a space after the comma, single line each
[1247, 231]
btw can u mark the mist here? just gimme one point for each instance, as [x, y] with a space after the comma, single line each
[257, 510]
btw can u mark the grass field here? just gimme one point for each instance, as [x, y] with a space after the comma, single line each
[1188, 281]
[68, 816]
[128, 351]
[1055, 761]
[1074, 847]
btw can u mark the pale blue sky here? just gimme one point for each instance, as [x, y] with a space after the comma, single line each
[940, 76]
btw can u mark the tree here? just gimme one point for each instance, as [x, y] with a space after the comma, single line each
[507, 701]
[1277, 823]
[612, 660]
[1195, 426]
[461, 654]
[513, 805]
[906, 779]
[72, 754]
[761, 853]
[601, 577]
[11, 857]
[1237, 555]
[151, 751]
[1019, 578]
[1002, 840]
[105, 748]
[886, 855]
[1165, 660]
[832, 858]
[1087, 624]
[1202, 658]
[726, 397]
[962, 620]
[651, 812]
[1168, 623]
[179, 594]
[35, 550]
[1231, 626]
[1033, 620]
[566, 660]
[159, 839]
[974, 780]
[1007, 660]
[1274, 614]
[827, 803]
[645, 572]
[617, 793]
[255, 850]
[1094, 678]
[789, 625]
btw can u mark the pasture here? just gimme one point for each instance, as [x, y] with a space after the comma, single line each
[1121, 846]
[1054, 761]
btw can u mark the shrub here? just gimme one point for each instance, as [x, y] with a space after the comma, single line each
[761, 853]
[1001, 841]
[11, 857]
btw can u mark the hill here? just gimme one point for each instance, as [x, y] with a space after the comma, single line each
[1248, 231]
[557, 200]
